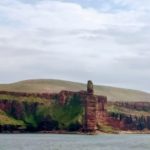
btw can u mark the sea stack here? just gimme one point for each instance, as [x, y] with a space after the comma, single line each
[90, 88]
[90, 109]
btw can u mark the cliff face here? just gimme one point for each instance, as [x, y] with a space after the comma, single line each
[55, 110]
[94, 109]
[39, 112]
[129, 115]
[73, 111]
[18, 109]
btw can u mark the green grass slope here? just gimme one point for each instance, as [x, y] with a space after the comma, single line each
[47, 85]
[7, 120]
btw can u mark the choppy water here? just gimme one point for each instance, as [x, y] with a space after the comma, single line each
[73, 142]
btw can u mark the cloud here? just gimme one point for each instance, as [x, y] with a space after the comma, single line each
[76, 41]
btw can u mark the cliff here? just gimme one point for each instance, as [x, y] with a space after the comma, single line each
[41, 112]
[66, 110]
[81, 111]
[130, 115]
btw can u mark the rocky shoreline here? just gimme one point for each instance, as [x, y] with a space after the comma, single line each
[79, 133]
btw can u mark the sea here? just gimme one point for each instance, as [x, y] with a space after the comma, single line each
[74, 142]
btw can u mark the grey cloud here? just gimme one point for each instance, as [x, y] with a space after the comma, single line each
[108, 53]
[135, 62]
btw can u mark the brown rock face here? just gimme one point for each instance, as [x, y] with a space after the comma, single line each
[131, 121]
[90, 113]
[17, 109]
[94, 108]
[64, 96]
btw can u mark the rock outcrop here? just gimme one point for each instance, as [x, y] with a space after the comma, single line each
[90, 88]
[94, 108]
[130, 115]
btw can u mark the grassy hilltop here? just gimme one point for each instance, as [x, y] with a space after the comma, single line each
[48, 85]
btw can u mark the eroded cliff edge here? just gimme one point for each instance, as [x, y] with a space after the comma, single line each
[81, 111]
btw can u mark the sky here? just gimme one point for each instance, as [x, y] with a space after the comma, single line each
[106, 41]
